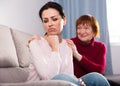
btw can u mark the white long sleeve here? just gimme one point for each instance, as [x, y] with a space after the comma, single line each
[45, 64]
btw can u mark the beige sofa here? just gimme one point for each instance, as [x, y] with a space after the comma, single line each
[14, 60]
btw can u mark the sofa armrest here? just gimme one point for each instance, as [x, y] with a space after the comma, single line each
[41, 83]
[115, 78]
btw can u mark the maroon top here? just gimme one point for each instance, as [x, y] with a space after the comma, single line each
[94, 57]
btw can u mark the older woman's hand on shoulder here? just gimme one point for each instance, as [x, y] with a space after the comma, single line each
[76, 54]
[32, 38]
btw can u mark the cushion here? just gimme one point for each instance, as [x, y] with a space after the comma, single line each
[8, 56]
[13, 75]
[20, 39]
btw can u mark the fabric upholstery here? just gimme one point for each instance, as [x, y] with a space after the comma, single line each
[115, 78]
[8, 57]
[13, 75]
[20, 40]
[41, 83]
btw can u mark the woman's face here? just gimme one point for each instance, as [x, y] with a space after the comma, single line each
[85, 32]
[52, 21]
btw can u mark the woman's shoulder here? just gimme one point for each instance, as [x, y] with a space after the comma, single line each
[37, 41]
[99, 44]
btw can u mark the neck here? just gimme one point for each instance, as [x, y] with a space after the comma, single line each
[59, 37]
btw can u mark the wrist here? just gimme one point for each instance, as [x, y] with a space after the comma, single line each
[78, 56]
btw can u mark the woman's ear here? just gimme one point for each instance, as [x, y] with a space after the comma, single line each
[65, 20]
[94, 35]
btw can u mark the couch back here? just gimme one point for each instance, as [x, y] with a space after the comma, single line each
[13, 49]
[14, 55]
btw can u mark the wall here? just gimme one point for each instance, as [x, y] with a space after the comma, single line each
[115, 49]
[22, 15]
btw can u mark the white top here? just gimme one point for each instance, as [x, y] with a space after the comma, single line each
[45, 64]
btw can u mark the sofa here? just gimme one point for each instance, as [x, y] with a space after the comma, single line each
[14, 60]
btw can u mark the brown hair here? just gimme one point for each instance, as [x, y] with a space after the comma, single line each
[89, 19]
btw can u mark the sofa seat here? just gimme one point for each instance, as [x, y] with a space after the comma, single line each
[13, 75]
[41, 83]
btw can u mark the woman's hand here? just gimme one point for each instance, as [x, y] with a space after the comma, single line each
[74, 49]
[33, 38]
[53, 41]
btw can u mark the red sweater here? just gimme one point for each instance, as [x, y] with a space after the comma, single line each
[94, 57]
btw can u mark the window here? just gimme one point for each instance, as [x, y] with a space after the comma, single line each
[113, 14]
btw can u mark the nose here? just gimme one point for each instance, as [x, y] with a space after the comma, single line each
[82, 30]
[50, 23]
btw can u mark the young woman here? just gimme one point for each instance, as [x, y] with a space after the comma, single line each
[51, 56]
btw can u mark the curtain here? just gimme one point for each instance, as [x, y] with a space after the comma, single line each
[75, 8]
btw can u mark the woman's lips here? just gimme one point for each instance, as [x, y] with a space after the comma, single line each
[51, 29]
[83, 35]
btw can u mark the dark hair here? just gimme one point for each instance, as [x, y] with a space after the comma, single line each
[89, 19]
[53, 5]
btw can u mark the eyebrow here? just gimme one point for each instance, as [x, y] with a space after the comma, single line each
[52, 16]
